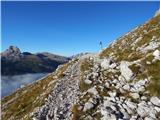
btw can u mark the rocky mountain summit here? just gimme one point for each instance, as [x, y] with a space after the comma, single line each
[12, 53]
[15, 62]
[120, 83]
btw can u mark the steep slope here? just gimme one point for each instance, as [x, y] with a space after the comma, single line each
[14, 62]
[119, 83]
[124, 82]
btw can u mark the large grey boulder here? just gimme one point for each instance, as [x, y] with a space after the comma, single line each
[126, 72]
[105, 64]
[155, 101]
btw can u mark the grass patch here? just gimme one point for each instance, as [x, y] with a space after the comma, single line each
[153, 70]
[85, 68]
[86, 65]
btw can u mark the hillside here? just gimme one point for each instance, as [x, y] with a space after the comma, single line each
[14, 62]
[120, 83]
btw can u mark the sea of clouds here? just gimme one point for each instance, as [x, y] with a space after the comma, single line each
[10, 83]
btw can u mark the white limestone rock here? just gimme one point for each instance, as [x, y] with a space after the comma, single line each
[126, 72]
[148, 118]
[113, 65]
[157, 108]
[88, 106]
[143, 111]
[151, 46]
[108, 103]
[156, 54]
[155, 101]
[105, 64]
[131, 105]
[148, 62]
[142, 82]
[141, 89]
[143, 98]
[107, 84]
[135, 95]
[93, 91]
[126, 87]
[88, 81]
[112, 94]
[152, 113]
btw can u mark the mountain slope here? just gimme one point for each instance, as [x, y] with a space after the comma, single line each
[119, 83]
[14, 62]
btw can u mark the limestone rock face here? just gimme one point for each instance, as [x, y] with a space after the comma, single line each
[156, 54]
[157, 12]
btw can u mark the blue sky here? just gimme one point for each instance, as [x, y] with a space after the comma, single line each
[68, 28]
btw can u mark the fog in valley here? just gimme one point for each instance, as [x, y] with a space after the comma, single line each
[10, 83]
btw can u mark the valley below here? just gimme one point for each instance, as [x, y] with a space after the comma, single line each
[10, 84]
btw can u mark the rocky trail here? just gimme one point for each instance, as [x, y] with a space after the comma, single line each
[65, 93]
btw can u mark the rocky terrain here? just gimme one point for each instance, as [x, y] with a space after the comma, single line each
[119, 83]
[15, 62]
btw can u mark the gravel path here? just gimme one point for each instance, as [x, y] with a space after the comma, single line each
[64, 95]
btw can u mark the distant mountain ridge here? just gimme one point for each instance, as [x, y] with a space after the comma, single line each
[15, 62]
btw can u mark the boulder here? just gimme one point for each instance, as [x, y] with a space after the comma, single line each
[131, 105]
[126, 87]
[126, 72]
[93, 91]
[105, 64]
[155, 101]
[156, 54]
[107, 84]
[88, 106]
[143, 111]
[112, 94]
[143, 98]
[87, 81]
[113, 65]
[135, 95]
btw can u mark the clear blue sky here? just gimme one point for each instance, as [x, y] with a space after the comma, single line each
[67, 28]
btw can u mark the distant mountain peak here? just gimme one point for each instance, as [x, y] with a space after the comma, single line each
[16, 62]
[12, 53]
[13, 49]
